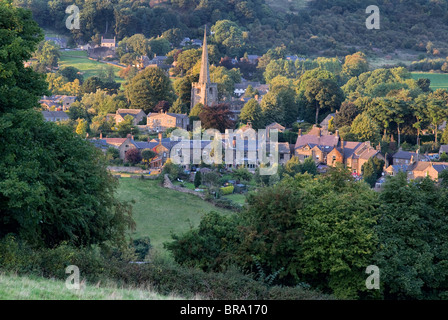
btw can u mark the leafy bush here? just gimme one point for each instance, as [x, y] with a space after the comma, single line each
[227, 190]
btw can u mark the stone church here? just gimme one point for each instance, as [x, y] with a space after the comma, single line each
[204, 91]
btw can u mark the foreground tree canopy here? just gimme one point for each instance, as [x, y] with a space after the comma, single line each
[54, 185]
[326, 231]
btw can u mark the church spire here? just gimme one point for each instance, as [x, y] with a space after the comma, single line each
[204, 76]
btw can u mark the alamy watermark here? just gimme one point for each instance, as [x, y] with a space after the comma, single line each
[240, 147]
[72, 282]
[373, 281]
[72, 22]
[373, 21]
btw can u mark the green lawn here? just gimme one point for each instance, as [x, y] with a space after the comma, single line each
[13, 287]
[158, 211]
[237, 198]
[438, 80]
[89, 68]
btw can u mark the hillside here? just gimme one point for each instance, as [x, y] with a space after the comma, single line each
[316, 27]
[158, 212]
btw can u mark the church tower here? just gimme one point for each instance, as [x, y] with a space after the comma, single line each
[204, 91]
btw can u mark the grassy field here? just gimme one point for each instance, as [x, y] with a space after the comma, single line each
[79, 60]
[158, 211]
[34, 288]
[237, 198]
[438, 80]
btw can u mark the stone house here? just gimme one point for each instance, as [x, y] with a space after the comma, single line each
[137, 114]
[108, 43]
[315, 145]
[422, 169]
[122, 144]
[160, 122]
[353, 155]
[404, 157]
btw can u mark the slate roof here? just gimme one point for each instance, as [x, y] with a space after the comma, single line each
[55, 114]
[405, 155]
[176, 115]
[444, 148]
[100, 143]
[313, 138]
[132, 112]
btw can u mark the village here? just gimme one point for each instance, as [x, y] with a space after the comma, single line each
[223, 150]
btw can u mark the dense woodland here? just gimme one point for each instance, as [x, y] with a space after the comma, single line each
[324, 27]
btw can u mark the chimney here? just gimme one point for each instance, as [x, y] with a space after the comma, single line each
[300, 132]
[101, 135]
[320, 132]
[160, 137]
[337, 133]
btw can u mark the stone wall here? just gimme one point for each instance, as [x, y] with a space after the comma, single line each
[169, 185]
[127, 169]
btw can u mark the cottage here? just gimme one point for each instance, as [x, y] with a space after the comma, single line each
[137, 114]
[160, 122]
[108, 43]
[122, 144]
[404, 157]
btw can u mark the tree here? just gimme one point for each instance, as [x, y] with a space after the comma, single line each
[322, 94]
[229, 37]
[425, 84]
[348, 112]
[162, 106]
[252, 112]
[133, 156]
[372, 170]
[71, 74]
[217, 117]
[355, 65]
[20, 36]
[82, 127]
[179, 107]
[437, 109]
[159, 46]
[411, 259]
[148, 155]
[365, 129]
[149, 87]
[273, 110]
[197, 179]
[91, 85]
[47, 55]
[294, 167]
[31, 200]
[127, 126]
[187, 59]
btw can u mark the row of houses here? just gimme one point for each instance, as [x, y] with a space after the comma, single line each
[247, 151]
[327, 150]
[57, 102]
